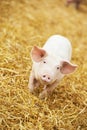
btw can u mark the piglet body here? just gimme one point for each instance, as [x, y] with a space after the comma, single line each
[50, 64]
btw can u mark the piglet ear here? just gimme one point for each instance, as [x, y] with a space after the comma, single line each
[67, 67]
[38, 54]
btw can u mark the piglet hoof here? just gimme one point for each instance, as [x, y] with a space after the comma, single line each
[43, 95]
[31, 90]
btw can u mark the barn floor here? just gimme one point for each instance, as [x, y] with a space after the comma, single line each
[24, 23]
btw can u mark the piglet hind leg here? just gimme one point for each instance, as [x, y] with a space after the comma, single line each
[48, 90]
[33, 83]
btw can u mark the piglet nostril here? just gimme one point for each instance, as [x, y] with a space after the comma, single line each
[44, 76]
[48, 78]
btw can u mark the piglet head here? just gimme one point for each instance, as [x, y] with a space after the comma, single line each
[47, 68]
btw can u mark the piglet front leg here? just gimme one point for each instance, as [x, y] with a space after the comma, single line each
[43, 94]
[33, 83]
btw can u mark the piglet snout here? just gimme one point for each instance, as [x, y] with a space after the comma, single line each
[46, 78]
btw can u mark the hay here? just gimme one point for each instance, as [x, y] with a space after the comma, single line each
[24, 23]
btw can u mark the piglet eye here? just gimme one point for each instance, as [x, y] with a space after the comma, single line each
[44, 62]
[57, 67]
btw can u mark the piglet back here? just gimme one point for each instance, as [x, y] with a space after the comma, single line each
[58, 46]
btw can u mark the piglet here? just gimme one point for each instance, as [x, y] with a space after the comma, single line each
[76, 2]
[50, 64]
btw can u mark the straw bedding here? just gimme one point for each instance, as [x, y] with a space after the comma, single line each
[24, 23]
